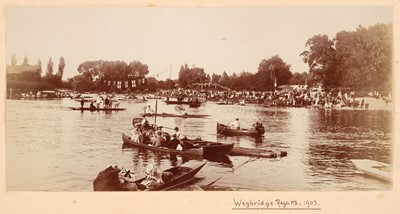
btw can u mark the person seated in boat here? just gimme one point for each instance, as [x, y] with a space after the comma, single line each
[159, 139]
[92, 107]
[137, 136]
[106, 102]
[235, 124]
[153, 176]
[149, 110]
[173, 143]
[183, 112]
[178, 133]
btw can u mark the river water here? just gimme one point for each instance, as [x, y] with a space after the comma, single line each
[50, 147]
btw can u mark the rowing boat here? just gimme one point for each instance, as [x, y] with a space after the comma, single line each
[376, 169]
[107, 180]
[191, 152]
[226, 130]
[176, 115]
[170, 102]
[97, 109]
[241, 151]
[209, 148]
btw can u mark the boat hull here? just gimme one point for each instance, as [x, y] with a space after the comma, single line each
[107, 180]
[190, 152]
[374, 169]
[176, 115]
[97, 109]
[209, 148]
[226, 130]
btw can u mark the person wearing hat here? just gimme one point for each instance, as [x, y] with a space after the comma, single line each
[137, 136]
[160, 141]
[235, 124]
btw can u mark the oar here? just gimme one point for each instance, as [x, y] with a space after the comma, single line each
[250, 159]
[224, 128]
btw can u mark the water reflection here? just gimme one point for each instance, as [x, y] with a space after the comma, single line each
[68, 148]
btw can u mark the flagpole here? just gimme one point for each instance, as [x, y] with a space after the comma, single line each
[155, 116]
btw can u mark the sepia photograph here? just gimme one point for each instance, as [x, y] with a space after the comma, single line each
[235, 100]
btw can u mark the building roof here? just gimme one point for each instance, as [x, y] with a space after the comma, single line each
[17, 69]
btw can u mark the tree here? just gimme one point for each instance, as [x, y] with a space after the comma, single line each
[188, 76]
[39, 64]
[26, 61]
[82, 83]
[224, 80]
[61, 67]
[113, 70]
[13, 59]
[298, 79]
[215, 78]
[364, 57]
[272, 73]
[320, 58]
[49, 67]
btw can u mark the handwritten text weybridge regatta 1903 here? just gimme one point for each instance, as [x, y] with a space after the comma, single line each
[275, 204]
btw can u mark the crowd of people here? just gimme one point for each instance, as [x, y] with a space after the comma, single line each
[290, 98]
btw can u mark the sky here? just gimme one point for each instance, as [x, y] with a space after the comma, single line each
[218, 39]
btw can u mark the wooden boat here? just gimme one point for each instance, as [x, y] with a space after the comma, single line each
[97, 109]
[191, 152]
[171, 102]
[226, 130]
[241, 151]
[107, 180]
[376, 169]
[176, 115]
[209, 148]
[194, 104]
[255, 152]
[224, 103]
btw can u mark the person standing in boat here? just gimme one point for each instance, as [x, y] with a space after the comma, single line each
[137, 134]
[98, 101]
[82, 102]
[235, 124]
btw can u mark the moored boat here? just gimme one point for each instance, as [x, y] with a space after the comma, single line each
[251, 152]
[209, 148]
[108, 179]
[376, 169]
[255, 131]
[255, 152]
[191, 152]
[175, 115]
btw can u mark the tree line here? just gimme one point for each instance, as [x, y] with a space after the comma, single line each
[359, 60]
[30, 76]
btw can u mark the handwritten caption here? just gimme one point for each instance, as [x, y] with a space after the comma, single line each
[278, 204]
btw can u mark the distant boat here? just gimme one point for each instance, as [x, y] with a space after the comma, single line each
[374, 169]
[97, 109]
[176, 115]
